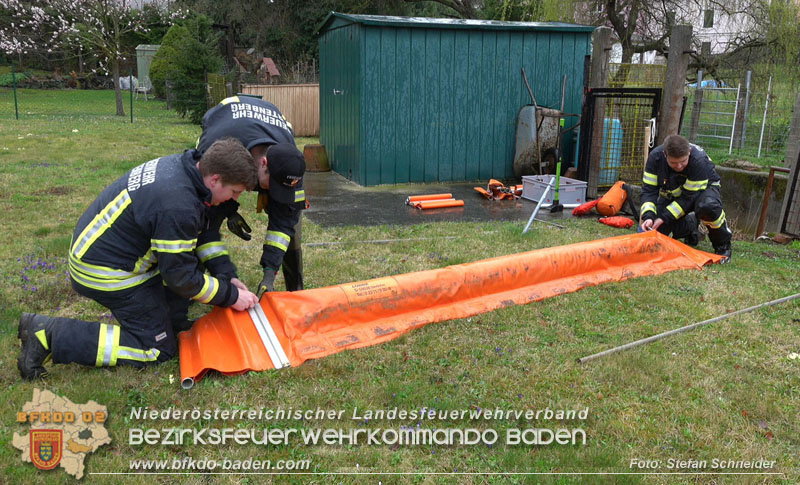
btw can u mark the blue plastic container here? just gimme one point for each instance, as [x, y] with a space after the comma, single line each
[611, 157]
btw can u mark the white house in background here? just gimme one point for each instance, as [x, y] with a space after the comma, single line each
[713, 28]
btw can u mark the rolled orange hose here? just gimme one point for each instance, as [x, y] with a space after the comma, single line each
[420, 198]
[418, 202]
[438, 204]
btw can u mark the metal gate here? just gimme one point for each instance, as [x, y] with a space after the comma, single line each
[714, 113]
[625, 114]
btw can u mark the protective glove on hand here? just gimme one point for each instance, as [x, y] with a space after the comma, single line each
[268, 282]
[238, 226]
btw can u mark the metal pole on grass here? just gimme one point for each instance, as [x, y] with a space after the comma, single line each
[746, 108]
[733, 123]
[538, 206]
[130, 79]
[764, 119]
[684, 329]
[14, 83]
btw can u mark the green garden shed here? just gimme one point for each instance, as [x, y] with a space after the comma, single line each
[406, 99]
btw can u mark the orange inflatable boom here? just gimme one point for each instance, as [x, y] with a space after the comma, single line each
[438, 204]
[411, 199]
[287, 329]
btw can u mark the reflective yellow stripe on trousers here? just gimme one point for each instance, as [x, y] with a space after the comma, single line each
[109, 350]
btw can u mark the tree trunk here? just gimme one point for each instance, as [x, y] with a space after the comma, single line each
[117, 91]
[621, 76]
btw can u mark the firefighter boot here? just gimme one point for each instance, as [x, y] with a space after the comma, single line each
[35, 331]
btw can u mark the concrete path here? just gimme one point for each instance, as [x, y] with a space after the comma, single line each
[336, 201]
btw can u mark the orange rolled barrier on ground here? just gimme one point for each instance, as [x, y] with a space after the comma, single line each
[417, 203]
[287, 329]
[617, 221]
[438, 204]
[611, 203]
[585, 208]
[419, 198]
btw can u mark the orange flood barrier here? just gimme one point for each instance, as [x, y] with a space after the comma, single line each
[287, 329]
[419, 198]
[438, 204]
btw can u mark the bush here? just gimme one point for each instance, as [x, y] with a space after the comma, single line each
[7, 81]
[187, 53]
[166, 58]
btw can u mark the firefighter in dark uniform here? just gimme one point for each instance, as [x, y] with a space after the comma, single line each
[680, 187]
[263, 130]
[140, 250]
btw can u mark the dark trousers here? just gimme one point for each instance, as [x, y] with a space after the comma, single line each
[707, 209]
[292, 265]
[143, 337]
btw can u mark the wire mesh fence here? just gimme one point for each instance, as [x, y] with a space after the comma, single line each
[95, 104]
[636, 75]
[625, 110]
[625, 137]
[750, 118]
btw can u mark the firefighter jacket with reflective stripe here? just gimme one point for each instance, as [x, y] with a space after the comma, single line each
[256, 122]
[250, 120]
[678, 189]
[151, 221]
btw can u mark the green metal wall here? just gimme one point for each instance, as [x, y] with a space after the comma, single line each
[340, 99]
[438, 104]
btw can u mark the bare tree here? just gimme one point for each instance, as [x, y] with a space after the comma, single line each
[96, 25]
[726, 32]
[466, 9]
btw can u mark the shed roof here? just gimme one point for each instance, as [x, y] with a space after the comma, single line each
[336, 19]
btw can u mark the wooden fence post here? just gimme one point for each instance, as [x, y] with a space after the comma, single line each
[598, 78]
[697, 108]
[790, 211]
[672, 101]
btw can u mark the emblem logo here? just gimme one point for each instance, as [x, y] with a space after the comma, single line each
[46, 446]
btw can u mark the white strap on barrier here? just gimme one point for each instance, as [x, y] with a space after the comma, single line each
[268, 338]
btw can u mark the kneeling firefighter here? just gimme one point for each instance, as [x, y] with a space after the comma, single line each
[263, 130]
[680, 189]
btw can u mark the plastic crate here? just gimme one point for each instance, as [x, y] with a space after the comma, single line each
[571, 191]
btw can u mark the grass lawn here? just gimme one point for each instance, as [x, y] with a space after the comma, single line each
[728, 391]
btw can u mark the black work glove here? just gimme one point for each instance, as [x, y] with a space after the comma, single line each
[238, 226]
[268, 283]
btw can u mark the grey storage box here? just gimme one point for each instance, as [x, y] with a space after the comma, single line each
[571, 191]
